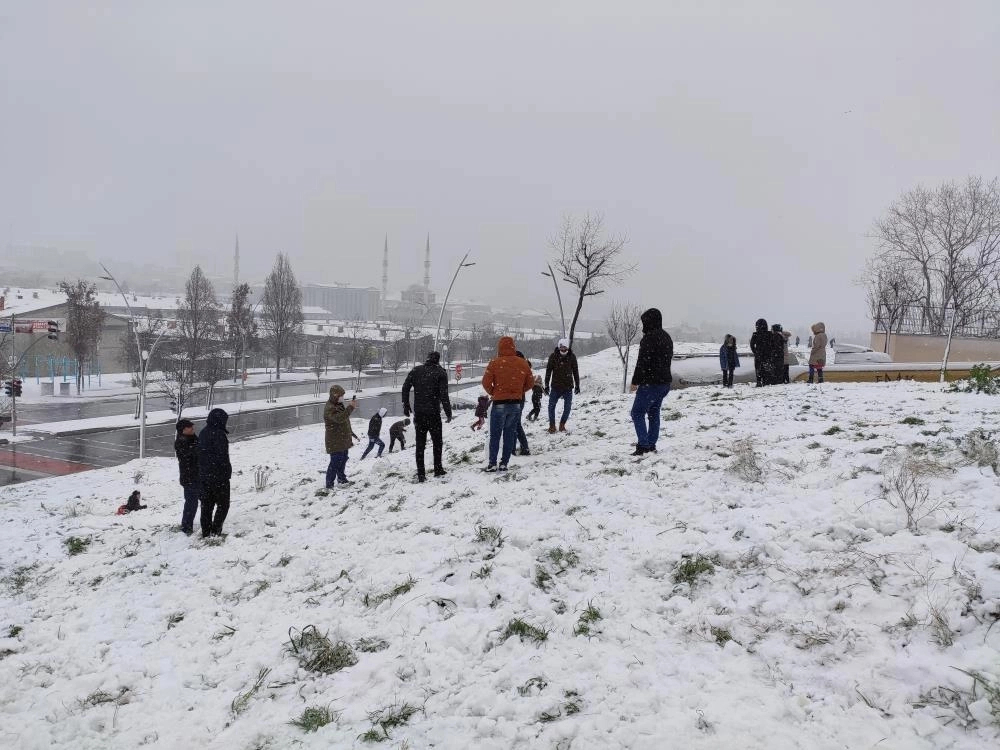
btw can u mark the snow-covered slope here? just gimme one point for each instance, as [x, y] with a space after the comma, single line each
[719, 594]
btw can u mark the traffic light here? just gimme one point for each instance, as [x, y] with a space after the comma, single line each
[8, 388]
[54, 330]
[17, 387]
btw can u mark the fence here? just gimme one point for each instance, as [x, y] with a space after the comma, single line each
[917, 320]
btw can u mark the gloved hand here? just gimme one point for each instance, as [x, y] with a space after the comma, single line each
[546, 390]
[577, 391]
[406, 410]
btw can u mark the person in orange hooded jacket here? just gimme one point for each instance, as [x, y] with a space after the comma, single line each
[507, 378]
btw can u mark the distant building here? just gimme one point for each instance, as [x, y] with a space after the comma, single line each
[343, 302]
[416, 294]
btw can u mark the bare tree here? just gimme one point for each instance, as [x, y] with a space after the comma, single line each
[623, 325]
[282, 310]
[890, 292]
[320, 358]
[241, 326]
[360, 350]
[948, 243]
[395, 357]
[588, 260]
[84, 321]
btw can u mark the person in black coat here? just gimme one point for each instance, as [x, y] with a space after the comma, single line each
[429, 383]
[651, 380]
[762, 346]
[777, 369]
[186, 450]
[522, 438]
[215, 471]
[375, 434]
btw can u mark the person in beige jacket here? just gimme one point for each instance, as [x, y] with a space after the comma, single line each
[817, 355]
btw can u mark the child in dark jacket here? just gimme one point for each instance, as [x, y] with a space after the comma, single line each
[729, 360]
[536, 399]
[132, 504]
[397, 433]
[482, 408]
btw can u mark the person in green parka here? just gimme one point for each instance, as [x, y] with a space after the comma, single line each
[337, 419]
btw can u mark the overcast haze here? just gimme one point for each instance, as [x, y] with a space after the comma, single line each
[745, 152]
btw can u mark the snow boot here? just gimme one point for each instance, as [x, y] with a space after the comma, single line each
[552, 428]
[491, 468]
[562, 427]
[440, 472]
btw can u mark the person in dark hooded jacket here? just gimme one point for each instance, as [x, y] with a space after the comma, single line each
[651, 380]
[729, 360]
[562, 380]
[215, 471]
[429, 383]
[762, 346]
[777, 369]
[375, 433]
[186, 450]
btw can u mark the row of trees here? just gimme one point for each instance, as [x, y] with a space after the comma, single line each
[937, 265]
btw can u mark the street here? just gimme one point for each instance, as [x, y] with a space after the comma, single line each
[57, 456]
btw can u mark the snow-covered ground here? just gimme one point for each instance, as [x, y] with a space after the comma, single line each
[717, 594]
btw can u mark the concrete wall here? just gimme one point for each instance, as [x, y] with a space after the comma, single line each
[913, 348]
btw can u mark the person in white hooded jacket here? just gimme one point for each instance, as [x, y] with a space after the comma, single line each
[375, 434]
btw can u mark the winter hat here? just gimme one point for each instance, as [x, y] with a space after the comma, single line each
[183, 425]
[776, 328]
[562, 343]
[383, 411]
[433, 358]
[336, 392]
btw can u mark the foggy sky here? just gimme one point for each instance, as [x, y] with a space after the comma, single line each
[745, 151]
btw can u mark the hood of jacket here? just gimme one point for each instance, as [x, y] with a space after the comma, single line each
[506, 348]
[433, 358]
[652, 319]
[761, 325]
[217, 418]
[818, 328]
[383, 411]
[336, 391]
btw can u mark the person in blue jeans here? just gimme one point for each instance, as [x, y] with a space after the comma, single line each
[186, 450]
[375, 434]
[651, 380]
[562, 380]
[507, 378]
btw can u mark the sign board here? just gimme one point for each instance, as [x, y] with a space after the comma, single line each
[5, 328]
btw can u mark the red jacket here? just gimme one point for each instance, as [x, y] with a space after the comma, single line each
[507, 377]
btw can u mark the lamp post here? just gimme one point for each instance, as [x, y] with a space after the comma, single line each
[144, 357]
[552, 274]
[462, 264]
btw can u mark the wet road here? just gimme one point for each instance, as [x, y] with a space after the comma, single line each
[75, 453]
[58, 412]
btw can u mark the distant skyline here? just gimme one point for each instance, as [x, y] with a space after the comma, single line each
[744, 149]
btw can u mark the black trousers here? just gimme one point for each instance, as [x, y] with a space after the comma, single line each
[536, 409]
[424, 423]
[214, 499]
[727, 378]
[393, 439]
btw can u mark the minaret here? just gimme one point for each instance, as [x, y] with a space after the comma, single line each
[236, 263]
[427, 270]
[385, 270]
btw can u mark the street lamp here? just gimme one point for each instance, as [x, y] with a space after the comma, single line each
[462, 264]
[552, 274]
[144, 357]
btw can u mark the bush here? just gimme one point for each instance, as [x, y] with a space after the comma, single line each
[75, 545]
[982, 379]
[317, 653]
[313, 718]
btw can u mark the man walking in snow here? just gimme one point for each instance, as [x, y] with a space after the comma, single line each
[186, 450]
[651, 380]
[507, 378]
[429, 383]
[215, 471]
[562, 379]
[375, 434]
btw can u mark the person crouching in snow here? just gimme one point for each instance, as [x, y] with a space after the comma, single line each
[729, 360]
[131, 504]
[397, 433]
[482, 409]
[375, 434]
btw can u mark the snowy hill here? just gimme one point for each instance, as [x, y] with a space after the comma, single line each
[723, 593]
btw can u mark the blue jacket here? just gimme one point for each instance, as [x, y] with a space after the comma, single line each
[729, 359]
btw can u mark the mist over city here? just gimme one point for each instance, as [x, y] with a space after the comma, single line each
[557, 375]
